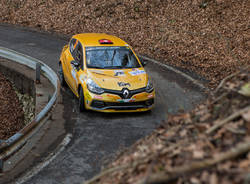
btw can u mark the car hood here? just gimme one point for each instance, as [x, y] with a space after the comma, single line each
[119, 79]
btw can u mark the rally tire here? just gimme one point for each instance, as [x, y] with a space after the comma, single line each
[81, 100]
[61, 76]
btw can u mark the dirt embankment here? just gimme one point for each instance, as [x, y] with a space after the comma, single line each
[209, 37]
[11, 112]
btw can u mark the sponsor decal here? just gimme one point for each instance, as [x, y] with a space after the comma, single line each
[125, 100]
[98, 97]
[150, 96]
[137, 72]
[73, 73]
[119, 73]
[123, 84]
[81, 78]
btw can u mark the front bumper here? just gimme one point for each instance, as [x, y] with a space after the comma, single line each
[114, 103]
[101, 105]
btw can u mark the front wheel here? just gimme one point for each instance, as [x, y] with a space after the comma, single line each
[81, 101]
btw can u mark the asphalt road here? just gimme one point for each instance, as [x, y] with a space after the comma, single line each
[96, 136]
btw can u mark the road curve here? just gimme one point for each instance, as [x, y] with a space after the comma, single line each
[96, 136]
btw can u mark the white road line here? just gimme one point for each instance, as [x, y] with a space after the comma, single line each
[35, 170]
[176, 71]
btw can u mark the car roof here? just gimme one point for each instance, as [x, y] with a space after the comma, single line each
[92, 39]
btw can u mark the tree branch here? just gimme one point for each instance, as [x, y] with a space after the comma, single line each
[228, 77]
[224, 80]
[229, 118]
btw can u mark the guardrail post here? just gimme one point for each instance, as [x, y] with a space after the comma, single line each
[1, 165]
[38, 73]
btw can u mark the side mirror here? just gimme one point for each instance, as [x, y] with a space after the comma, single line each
[75, 64]
[144, 63]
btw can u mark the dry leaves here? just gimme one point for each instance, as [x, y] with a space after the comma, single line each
[210, 38]
[11, 112]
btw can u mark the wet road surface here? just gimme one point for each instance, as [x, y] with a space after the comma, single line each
[96, 136]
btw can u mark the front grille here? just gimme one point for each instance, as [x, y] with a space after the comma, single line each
[120, 93]
[121, 105]
[113, 104]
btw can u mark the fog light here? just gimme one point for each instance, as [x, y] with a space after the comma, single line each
[97, 104]
[149, 102]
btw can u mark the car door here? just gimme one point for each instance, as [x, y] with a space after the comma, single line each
[68, 57]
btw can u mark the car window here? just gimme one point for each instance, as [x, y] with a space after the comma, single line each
[72, 45]
[110, 57]
[79, 55]
[76, 51]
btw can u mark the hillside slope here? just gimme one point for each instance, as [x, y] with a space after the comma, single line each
[209, 37]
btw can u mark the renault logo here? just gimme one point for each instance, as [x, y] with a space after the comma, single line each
[125, 93]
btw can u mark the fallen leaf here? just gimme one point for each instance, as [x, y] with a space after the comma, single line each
[213, 179]
[195, 180]
[245, 89]
[244, 164]
[205, 117]
[246, 116]
[183, 133]
[198, 154]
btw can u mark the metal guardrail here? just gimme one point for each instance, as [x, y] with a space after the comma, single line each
[11, 145]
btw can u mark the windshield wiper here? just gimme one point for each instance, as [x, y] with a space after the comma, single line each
[97, 67]
[130, 67]
[112, 67]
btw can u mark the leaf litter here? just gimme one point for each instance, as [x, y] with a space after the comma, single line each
[207, 37]
[16, 109]
[11, 112]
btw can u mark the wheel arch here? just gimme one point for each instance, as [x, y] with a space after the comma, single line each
[60, 62]
[78, 88]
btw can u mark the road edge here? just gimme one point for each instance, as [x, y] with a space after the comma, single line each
[194, 81]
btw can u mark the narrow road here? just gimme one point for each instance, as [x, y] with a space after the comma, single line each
[96, 136]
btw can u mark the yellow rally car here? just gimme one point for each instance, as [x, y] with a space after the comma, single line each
[105, 74]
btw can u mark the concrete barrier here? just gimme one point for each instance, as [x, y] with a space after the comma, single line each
[14, 143]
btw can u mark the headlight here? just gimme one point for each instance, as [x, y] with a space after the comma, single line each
[93, 87]
[149, 87]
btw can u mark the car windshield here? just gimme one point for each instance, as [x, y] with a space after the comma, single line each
[110, 58]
